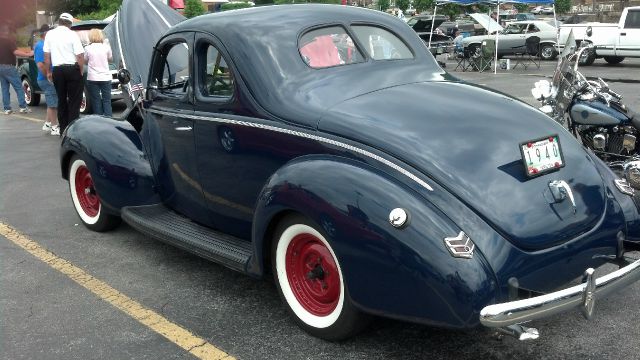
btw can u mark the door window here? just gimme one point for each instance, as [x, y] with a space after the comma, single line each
[382, 44]
[171, 69]
[633, 20]
[330, 46]
[216, 79]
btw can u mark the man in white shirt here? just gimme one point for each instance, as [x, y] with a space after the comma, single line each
[63, 50]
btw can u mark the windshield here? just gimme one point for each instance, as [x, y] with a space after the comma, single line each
[564, 78]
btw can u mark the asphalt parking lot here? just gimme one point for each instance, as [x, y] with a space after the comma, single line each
[69, 293]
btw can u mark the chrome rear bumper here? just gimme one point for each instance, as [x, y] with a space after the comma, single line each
[583, 296]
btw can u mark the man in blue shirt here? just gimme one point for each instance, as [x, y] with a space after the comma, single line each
[51, 123]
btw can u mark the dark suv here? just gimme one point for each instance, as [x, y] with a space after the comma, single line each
[29, 71]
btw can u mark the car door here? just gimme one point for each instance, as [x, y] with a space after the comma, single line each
[512, 40]
[232, 172]
[629, 40]
[171, 95]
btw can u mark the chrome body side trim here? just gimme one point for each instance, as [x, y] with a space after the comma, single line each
[303, 135]
[583, 295]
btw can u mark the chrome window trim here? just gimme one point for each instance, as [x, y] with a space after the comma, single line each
[306, 136]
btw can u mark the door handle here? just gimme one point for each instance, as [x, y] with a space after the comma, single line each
[623, 34]
[184, 128]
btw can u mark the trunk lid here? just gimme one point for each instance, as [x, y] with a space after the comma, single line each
[467, 139]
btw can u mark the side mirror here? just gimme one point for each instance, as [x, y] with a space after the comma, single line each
[589, 31]
[124, 76]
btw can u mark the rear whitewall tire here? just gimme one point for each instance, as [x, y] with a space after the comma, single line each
[305, 316]
[318, 300]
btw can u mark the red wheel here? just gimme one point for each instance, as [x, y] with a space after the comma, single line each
[313, 275]
[86, 200]
[310, 281]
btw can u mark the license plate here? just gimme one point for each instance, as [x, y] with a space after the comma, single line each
[542, 155]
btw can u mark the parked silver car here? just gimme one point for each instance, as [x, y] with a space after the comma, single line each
[512, 39]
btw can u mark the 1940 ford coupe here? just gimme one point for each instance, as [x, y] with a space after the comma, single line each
[324, 145]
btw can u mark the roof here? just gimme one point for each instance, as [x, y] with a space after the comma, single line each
[263, 46]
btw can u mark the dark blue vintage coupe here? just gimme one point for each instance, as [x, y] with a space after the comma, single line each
[324, 145]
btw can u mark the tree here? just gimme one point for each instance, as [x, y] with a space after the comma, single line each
[384, 4]
[402, 4]
[193, 8]
[522, 8]
[423, 5]
[234, 6]
[451, 10]
[563, 6]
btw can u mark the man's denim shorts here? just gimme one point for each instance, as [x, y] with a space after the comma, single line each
[49, 93]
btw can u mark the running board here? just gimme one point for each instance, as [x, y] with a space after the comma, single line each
[164, 224]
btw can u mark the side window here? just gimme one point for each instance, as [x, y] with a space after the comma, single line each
[171, 69]
[327, 47]
[633, 20]
[382, 44]
[216, 79]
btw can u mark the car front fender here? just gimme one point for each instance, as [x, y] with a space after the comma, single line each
[406, 272]
[115, 156]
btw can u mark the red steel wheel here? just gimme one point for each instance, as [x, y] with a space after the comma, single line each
[313, 274]
[86, 193]
[310, 281]
[86, 200]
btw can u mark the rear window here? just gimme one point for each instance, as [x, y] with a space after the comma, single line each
[327, 47]
[381, 44]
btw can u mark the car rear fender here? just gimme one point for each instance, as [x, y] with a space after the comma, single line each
[408, 271]
[114, 154]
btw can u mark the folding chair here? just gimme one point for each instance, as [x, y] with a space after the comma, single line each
[528, 54]
[487, 54]
[461, 54]
[462, 58]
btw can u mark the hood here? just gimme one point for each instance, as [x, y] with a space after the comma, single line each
[134, 31]
[423, 23]
[486, 22]
[466, 138]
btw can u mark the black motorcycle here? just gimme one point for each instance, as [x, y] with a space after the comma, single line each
[593, 113]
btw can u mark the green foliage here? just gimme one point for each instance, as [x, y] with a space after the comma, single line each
[423, 5]
[483, 9]
[193, 8]
[522, 8]
[263, 2]
[96, 15]
[402, 4]
[384, 4]
[563, 6]
[451, 10]
[233, 6]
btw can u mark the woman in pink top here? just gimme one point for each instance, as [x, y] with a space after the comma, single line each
[97, 56]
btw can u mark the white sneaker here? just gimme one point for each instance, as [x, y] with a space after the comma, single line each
[25, 110]
[46, 126]
[55, 130]
[8, 112]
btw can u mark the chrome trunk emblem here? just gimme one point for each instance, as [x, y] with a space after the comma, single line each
[560, 191]
[460, 246]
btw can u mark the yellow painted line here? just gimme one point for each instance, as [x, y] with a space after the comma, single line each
[27, 118]
[195, 345]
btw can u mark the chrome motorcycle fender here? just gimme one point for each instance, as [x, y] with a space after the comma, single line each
[596, 113]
